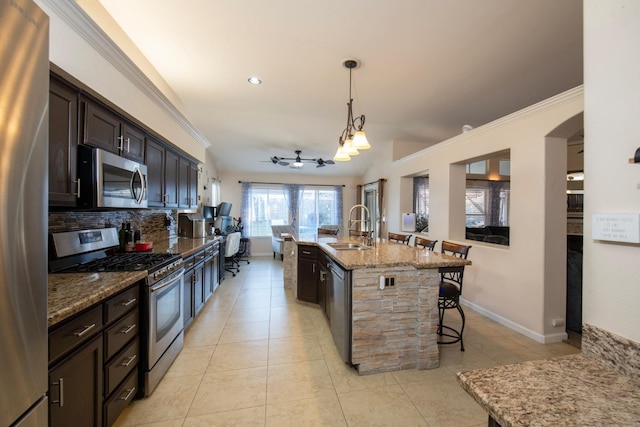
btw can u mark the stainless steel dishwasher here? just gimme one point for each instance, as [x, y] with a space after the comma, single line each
[338, 308]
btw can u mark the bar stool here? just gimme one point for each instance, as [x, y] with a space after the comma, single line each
[399, 238]
[421, 242]
[450, 291]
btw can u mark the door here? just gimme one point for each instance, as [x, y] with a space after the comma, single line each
[183, 182]
[24, 95]
[132, 145]
[155, 161]
[101, 127]
[171, 179]
[165, 314]
[193, 186]
[63, 144]
[371, 202]
[75, 388]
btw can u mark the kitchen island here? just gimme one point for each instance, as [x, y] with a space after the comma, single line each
[393, 327]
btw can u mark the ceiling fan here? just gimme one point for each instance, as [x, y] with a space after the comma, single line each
[298, 161]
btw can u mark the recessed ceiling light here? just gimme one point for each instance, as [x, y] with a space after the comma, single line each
[254, 80]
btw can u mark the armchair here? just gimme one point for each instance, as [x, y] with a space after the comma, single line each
[276, 238]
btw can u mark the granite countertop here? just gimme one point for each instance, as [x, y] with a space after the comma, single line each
[384, 254]
[570, 390]
[184, 246]
[70, 293]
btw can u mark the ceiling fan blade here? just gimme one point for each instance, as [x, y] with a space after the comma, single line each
[330, 162]
[281, 163]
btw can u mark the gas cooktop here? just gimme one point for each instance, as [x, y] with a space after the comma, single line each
[125, 262]
[94, 251]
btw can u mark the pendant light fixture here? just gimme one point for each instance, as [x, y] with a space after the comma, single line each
[353, 137]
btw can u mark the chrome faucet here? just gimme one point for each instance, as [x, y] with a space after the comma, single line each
[366, 221]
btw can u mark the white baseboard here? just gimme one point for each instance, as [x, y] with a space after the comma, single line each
[543, 339]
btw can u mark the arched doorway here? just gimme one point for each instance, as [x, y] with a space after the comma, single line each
[568, 170]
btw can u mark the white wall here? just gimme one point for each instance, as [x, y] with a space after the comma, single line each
[85, 60]
[611, 290]
[510, 284]
[230, 192]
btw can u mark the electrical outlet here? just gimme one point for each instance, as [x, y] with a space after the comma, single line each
[389, 281]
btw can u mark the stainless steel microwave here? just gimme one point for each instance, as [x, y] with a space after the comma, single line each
[107, 180]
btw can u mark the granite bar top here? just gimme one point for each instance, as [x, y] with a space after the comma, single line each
[384, 254]
[70, 293]
[573, 390]
[598, 387]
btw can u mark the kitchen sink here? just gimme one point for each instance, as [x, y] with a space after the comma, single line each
[348, 246]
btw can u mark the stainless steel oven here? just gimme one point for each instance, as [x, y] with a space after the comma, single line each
[165, 321]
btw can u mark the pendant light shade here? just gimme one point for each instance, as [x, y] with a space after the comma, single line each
[360, 141]
[341, 156]
[353, 137]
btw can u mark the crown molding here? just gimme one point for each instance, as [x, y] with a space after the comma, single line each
[85, 27]
[571, 94]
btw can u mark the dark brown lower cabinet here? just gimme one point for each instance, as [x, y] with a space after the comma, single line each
[93, 362]
[308, 273]
[75, 388]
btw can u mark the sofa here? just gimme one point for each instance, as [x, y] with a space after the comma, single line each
[276, 238]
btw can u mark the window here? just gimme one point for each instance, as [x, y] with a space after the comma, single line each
[487, 199]
[475, 207]
[267, 207]
[306, 208]
[479, 168]
[319, 207]
[421, 202]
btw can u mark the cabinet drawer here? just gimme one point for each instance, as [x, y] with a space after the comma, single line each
[121, 303]
[121, 333]
[305, 251]
[120, 366]
[120, 398]
[188, 263]
[75, 332]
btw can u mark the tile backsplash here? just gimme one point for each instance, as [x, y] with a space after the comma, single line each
[150, 222]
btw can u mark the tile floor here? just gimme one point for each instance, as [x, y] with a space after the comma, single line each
[256, 357]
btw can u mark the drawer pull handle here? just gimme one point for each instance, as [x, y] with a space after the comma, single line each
[84, 331]
[127, 329]
[306, 252]
[128, 361]
[60, 384]
[128, 303]
[128, 394]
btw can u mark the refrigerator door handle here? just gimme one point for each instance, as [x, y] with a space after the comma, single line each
[60, 384]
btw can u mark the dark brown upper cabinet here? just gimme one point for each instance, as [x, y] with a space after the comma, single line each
[63, 143]
[162, 175]
[107, 130]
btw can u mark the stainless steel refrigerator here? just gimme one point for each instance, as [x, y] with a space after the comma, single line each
[24, 124]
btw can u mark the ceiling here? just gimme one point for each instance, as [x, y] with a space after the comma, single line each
[428, 67]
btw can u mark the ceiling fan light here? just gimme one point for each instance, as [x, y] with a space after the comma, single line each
[360, 141]
[298, 164]
[341, 156]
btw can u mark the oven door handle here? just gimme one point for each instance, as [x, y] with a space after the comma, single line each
[162, 285]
